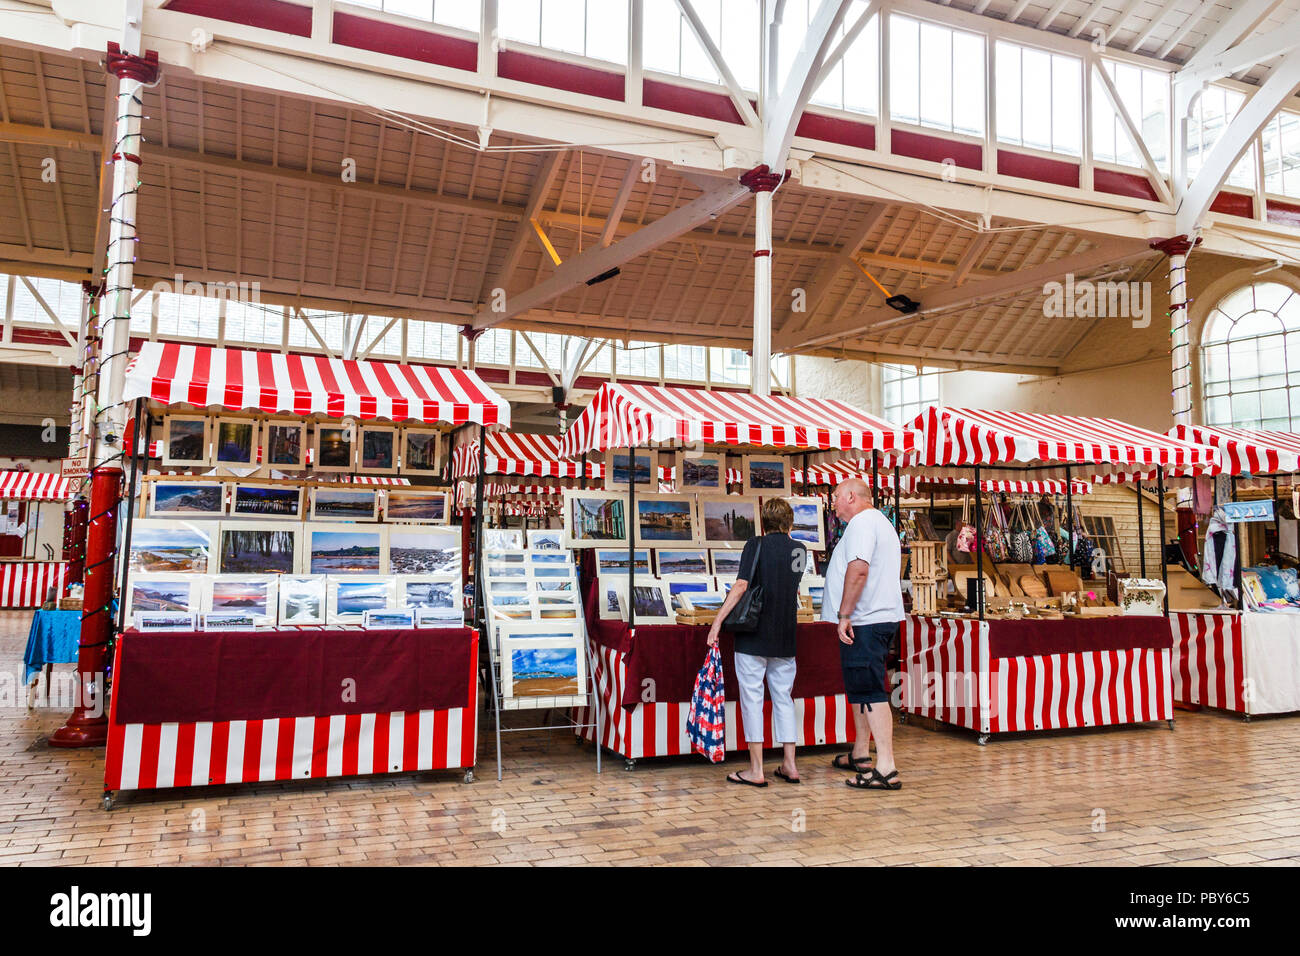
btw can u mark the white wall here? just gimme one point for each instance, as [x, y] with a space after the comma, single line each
[857, 383]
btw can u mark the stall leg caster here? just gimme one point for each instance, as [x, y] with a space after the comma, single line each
[629, 764]
[1171, 723]
[982, 739]
[108, 799]
[1245, 718]
[902, 717]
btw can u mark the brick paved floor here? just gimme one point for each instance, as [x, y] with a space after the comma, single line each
[1216, 790]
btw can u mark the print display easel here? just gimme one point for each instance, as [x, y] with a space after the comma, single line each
[517, 454]
[628, 416]
[425, 706]
[25, 579]
[1241, 661]
[1004, 676]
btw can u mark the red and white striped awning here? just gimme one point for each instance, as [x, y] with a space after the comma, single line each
[34, 486]
[172, 373]
[963, 436]
[1246, 451]
[519, 453]
[623, 414]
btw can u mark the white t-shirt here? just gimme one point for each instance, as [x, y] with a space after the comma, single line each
[871, 538]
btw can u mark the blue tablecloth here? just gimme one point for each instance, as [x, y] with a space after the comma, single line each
[53, 639]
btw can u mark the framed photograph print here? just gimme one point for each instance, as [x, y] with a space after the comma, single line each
[266, 501]
[614, 560]
[695, 583]
[235, 442]
[652, 603]
[669, 562]
[438, 596]
[332, 447]
[813, 585]
[252, 594]
[146, 621]
[284, 445]
[809, 528]
[179, 593]
[546, 539]
[188, 499]
[766, 475]
[414, 506]
[424, 551]
[420, 451]
[611, 597]
[302, 600]
[351, 598]
[701, 472]
[541, 661]
[230, 621]
[728, 521]
[503, 539]
[550, 558]
[258, 547]
[159, 545]
[401, 619]
[666, 520]
[708, 601]
[187, 440]
[724, 563]
[618, 468]
[344, 504]
[378, 455]
[594, 518]
[334, 550]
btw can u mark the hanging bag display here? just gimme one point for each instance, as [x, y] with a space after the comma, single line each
[1022, 543]
[966, 533]
[706, 719]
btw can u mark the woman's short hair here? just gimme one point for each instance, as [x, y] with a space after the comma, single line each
[778, 516]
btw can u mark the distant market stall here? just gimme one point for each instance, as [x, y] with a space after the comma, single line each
[1043, 658]
[642, 624]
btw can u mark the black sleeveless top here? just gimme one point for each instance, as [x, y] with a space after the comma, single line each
[779, 571]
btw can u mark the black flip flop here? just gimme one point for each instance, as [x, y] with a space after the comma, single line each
[875, 781]
[780, 772]
[735, 777]
[848, 758]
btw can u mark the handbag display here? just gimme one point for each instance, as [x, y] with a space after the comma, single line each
[1022, 544]
[966, 532]
[744, 617]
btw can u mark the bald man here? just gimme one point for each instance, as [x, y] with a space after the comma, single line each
[865, 599]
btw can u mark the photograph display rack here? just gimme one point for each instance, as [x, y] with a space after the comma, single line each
[589, 698]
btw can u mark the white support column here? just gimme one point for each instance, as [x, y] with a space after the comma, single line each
[759, 366]
[115, 316]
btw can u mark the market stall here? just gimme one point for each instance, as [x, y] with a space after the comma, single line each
[277, 627]
[1024, 664]
[28, 500]
[1244, 659]
[648, 630]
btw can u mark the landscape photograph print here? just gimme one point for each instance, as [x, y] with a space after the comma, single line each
[665, 518]
[424, 552]
[705, 472]
[333, 448]
[158, 545]
[378, 449]
[258, 550]
[302, 600]
[155, 594]
[728, 520]
[187, 498]
[766, 476]
[344, 504]
[346, 552]
[235, 442]
[186, 441]
[283, 444]
[425, 507]
[592, 519]
[267, 501]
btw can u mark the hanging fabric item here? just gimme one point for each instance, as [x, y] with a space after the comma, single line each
[706, 721]
[995, 537]
[1219, 560]
[966, 533]
[1203, 495]
[1022, 543]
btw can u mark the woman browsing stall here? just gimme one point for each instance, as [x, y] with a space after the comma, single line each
[775, 562]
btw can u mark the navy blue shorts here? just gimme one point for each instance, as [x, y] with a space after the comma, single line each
[864, 663]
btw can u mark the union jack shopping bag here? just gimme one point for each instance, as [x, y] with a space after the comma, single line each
[706, 721]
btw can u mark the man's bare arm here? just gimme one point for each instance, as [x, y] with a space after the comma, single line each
[855, 579]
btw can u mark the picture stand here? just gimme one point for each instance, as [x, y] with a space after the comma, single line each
[589, 698]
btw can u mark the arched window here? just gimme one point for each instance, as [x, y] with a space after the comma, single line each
[1250, 353]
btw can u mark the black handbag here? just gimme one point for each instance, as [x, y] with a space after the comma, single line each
[744, 617]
